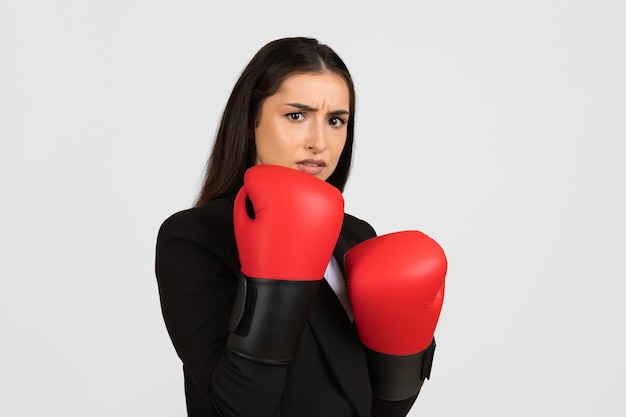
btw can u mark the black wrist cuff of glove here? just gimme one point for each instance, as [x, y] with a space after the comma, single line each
[268, 317]
[396, 378]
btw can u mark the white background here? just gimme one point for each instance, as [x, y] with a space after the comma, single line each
[499, 128]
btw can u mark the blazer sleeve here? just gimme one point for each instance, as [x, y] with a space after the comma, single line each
[383, 408]
[197, 278]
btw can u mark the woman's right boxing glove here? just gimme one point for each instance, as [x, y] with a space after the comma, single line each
[286, 226]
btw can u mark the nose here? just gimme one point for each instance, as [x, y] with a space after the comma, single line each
[316, 140]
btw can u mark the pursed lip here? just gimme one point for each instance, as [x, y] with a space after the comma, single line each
[311, 166]
[312, 162]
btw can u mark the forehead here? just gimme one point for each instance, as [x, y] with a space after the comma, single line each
[326, 86]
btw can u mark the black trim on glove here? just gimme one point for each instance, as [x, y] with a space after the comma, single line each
[268, 317]
[395, 378]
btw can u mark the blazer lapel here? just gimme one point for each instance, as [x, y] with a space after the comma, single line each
[339, 341]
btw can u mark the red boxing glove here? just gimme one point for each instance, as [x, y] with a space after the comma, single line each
[286, 226]
[396, 287]
[291, 228]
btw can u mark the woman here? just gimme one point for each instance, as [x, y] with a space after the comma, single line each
[288, 123]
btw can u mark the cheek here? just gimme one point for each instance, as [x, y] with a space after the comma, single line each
[338, 147]
[272, 145]
[281, 138]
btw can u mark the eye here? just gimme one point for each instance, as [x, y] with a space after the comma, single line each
[295, 116]
[337, 121]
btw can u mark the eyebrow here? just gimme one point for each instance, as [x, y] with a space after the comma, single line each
[306, 107]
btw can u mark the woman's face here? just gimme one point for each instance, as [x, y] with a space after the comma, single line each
[304, 125]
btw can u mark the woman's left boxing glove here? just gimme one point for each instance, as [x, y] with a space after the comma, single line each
[396, 288]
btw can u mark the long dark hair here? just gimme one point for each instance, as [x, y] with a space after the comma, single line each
[233, 151]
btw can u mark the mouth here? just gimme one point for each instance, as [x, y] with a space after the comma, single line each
[311, 166]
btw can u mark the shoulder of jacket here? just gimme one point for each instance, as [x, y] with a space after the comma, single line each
[212, 218]
[357, 227]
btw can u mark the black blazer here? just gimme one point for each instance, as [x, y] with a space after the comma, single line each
[197, 269]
